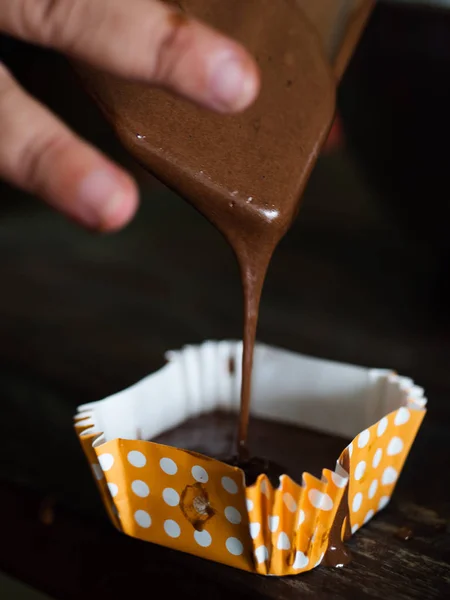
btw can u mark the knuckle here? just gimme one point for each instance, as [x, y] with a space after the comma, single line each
[31, 143]
[177, 40]
[49, 22]
[37, 156]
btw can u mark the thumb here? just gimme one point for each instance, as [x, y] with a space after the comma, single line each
[143, 40]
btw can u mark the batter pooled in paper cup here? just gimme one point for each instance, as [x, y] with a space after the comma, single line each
[186, 500]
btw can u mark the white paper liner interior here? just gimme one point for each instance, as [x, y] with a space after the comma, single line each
[287, 387]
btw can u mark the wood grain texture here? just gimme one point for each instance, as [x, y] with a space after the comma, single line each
[82, 317]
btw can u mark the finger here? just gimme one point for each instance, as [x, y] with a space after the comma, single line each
[42, 156]
[144, 40]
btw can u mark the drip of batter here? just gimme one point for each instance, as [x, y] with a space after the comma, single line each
[337, 555]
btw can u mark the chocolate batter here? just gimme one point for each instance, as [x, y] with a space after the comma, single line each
[244, 173]
[337, 555]
[404, 534]
[212, 434]
[255, 466]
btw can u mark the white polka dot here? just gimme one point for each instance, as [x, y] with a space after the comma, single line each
[264, 488]
[229, 485]
[363, 438]
[338, 480]
[357, 501]
[384, 501]
[234, 546]
[283, 542]
[389, 476]
[199, 474]
[113, 489]
[402, 416]
[301, 517]
[137, 459]
[320, 560]
[360, 469]
[261, 554]
[106, 461]
[301, 561]
[273, 523]
[140, 488]
[172, 528]
[171, 497]
[319, 500]
[382, 426]
[395, 446]
[291, 504]
[168, 465]
[143, 519]
[377, 458]
[373, 488]
[203, 538]
[249, 504]
[233, 515]
[255, 528]
[368, 516]
[355, 528]
[350, 450]
[98, 473]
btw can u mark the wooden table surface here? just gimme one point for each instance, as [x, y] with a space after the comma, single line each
[84, 316]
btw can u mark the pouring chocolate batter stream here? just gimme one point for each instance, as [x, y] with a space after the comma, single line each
[244, 173]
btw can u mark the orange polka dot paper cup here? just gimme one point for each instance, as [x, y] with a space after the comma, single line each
[195, 504]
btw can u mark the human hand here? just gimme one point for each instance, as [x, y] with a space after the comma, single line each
[142, 40]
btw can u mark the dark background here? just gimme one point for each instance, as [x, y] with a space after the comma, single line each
[363, 277]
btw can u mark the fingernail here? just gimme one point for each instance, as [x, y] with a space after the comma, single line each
[100, 198]
[233, 84]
